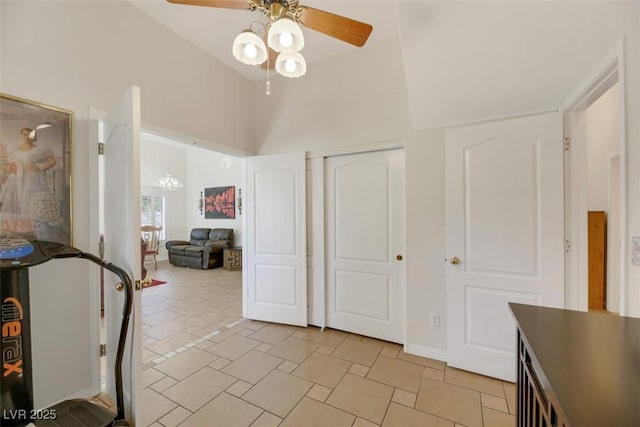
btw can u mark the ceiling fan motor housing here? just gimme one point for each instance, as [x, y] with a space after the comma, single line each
[276, 9]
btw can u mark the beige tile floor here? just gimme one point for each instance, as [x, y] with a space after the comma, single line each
[204, 365]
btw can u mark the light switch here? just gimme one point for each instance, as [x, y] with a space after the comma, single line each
[635, 250]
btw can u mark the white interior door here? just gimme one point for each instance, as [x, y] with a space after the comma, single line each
[365, 211]
[505, 224]
[121, 215]
[275, 239]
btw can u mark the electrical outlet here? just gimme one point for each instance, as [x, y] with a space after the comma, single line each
[435, 320]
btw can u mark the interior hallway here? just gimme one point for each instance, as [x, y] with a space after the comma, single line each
[204, 365]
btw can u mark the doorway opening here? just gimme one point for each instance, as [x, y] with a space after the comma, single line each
[595, 190]
[197, 167]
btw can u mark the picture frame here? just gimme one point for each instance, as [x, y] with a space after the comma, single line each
[220, 202]
[35, 170]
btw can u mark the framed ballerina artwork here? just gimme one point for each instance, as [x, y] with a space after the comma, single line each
[35, 170]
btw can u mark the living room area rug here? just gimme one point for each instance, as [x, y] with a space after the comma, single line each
[153, 282]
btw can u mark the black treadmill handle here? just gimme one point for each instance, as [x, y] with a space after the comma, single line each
[126, 314]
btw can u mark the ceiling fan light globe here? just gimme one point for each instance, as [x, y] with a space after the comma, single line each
[250, 51]
[285, 35]
[286, 40]
[291, 64]
[244, 46]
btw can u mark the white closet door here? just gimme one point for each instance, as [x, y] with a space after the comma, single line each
[365, 219]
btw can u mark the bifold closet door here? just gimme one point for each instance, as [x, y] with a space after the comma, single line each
[275, 273]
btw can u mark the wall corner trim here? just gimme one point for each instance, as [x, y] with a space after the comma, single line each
[602, 78]
[360, 148]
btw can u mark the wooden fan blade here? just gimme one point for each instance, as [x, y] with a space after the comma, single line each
[225, 4]
[345, 29]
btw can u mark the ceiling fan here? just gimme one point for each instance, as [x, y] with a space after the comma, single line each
[282, 33]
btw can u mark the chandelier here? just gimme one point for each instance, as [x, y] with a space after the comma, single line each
[282, 34]
[167, 183]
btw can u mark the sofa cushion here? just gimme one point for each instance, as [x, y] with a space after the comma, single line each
[195, 251]
[221, 234]
[178, 249]
[199, 236]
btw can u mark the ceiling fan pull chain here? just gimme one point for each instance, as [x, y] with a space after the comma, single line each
[268, 74]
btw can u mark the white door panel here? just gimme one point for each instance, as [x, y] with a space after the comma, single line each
[121, 213]
[276, 289]
[365, 233]
[505, 223]
[507, 219]
[363, 294]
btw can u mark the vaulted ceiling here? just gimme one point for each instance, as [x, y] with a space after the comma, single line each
[214, 29]
[464, 61]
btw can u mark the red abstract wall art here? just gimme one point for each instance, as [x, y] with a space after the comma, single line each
[220, 203]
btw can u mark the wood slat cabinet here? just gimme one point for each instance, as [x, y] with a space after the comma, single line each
[232, 259]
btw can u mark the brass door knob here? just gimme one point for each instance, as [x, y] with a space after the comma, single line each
[454, 260]
[399, 257]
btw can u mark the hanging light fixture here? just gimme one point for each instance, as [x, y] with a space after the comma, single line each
[249, 48]
[167, 183]
[291, 64]
[285, 36]
[226, 162]
[282, 34]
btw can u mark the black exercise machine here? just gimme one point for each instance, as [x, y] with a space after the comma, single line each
[16, 381]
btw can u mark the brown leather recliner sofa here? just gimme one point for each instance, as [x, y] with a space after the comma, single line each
[203, 250]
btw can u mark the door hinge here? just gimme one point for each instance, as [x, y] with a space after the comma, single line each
[567, 246]
[566, 144]
[100, 148]
[103, 350]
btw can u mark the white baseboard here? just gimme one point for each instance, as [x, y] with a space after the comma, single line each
[431, 353]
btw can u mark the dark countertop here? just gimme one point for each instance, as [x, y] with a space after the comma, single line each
[588, 363]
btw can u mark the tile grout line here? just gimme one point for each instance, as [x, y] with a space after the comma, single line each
[195, 342]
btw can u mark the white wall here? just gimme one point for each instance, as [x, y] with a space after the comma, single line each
[354, 99]
[426, 244]
[74, 55]
[603, 136]
[204, 170]
[468, 61]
